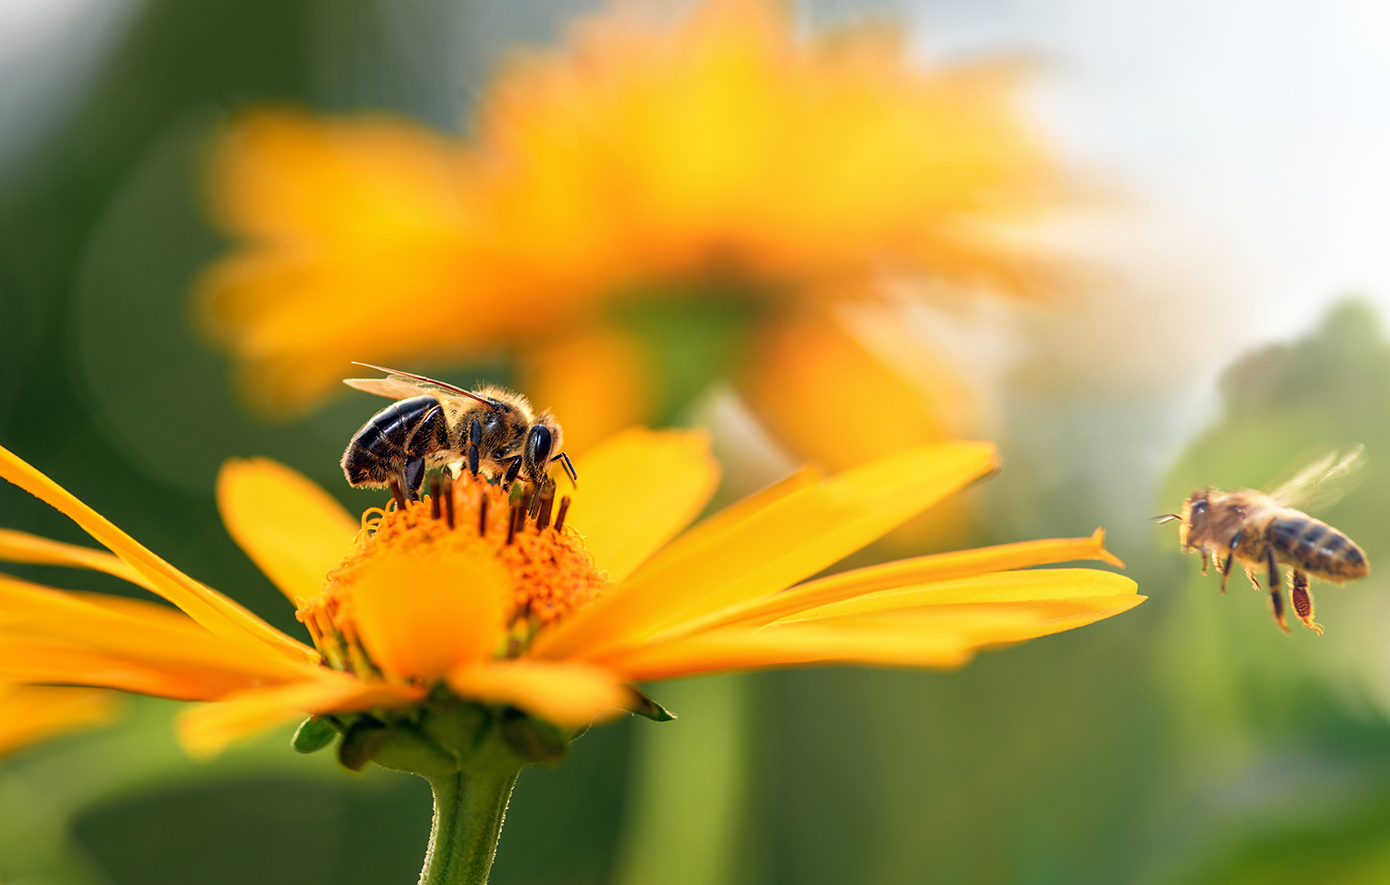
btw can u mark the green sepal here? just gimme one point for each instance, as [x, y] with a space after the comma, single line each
[313, 735]
[643, 705]
[454, 726]
[534, 740]
[409, 748]
[363, 740]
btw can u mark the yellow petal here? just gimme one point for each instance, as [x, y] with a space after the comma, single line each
[31, 713]
[725, 520]
[24, 547]
[338, 214]
[569, 695]
[794, 537]
[49, 661]
[907, 573]
[51, 636]
[207, 730]
[637, 490]
[1028, 586]
[291, 528]
[737, 649]
[205, 605]
[926, 636]
[422, 614]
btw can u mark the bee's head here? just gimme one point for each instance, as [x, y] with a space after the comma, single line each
[1196, 517]
[543, 443]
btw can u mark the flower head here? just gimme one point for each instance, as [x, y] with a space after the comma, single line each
[552, 609]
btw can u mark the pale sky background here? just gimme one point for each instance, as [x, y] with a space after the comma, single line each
[49, 52]
[1254, 137]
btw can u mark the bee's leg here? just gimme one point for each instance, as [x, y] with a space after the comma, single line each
[1252, 576]
[1276, 598]
[513, 469]
[414, 478]
[1230, 558]
[1207, 557]
[1303, 601]
[475, 437]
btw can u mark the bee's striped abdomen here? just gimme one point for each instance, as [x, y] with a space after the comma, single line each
[1316, 547]
[408, 429]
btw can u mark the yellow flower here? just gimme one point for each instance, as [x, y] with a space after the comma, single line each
[716, 156]
[552, 610]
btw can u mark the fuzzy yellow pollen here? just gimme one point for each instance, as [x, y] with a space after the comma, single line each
[518, 541]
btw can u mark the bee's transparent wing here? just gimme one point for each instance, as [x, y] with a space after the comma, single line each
[1323, 481]
[403, 385]
[391, 388]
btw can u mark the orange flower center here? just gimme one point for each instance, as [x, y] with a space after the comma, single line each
[549, 571]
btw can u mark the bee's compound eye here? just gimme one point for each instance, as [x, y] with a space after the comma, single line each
[538, 445]
[1199, 507]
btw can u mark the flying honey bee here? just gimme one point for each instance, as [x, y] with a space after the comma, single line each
[1265, 530]
[494, 431]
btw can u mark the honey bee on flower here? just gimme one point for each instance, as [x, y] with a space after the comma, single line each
[494, 431]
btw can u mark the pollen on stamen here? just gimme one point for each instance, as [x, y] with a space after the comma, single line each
[551, 572]
[449, 500]
[543, 511]
[512, 521]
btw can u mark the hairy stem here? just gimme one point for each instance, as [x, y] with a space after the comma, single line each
[468, 813]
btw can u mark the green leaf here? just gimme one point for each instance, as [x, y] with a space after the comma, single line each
[313, 735]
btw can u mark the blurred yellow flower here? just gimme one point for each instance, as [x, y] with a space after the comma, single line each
[717, 156]
[554, 614]
[30, 713]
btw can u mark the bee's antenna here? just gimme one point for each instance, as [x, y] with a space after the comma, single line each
[566, 463]
[1167, 517]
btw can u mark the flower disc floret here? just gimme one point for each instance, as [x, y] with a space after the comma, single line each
[512, 540]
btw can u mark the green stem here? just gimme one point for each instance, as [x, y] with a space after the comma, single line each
[468, 812]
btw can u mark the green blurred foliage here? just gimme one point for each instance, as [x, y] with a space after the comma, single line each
[690, 340]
